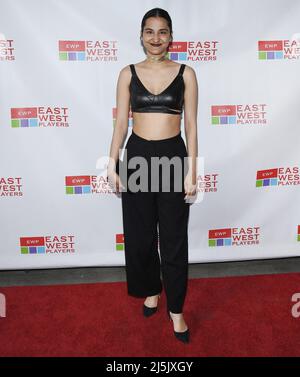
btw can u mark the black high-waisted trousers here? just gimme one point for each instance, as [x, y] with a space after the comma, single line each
[143, 212]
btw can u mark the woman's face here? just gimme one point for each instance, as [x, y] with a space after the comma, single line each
[156, 35]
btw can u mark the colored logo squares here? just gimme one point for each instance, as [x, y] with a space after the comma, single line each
[177, 51]
[267, 178]
[78, 184]
[24, 117]
[72, 50]
[119, 242]
[32, 245]
[270, 50]
[223, 114]
[219, 242]
[219, 237]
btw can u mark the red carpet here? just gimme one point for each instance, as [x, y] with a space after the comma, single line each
[236, 316]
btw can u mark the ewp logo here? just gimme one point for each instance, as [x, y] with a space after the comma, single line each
[238, 236]
[193, 50]
[241, 114]
[283, 176]
[270, 50]
[40, 116]
[24, 117]
[280, 49]
[72, 50]
[78, 184]
[32, 245]
[267, 177]
[2, 306]
[223, 114]
[97, 50]
[178, 51]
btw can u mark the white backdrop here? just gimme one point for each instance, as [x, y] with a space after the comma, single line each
[59, 64]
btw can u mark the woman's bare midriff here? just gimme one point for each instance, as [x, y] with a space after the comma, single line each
[156, 126]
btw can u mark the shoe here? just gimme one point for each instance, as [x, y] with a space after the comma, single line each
[149, 311]
[182, 336]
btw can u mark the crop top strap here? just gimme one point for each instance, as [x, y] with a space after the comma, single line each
[181, 69]
[132, 69]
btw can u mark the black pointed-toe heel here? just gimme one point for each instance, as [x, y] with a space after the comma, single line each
[149, 311]
[182, 336]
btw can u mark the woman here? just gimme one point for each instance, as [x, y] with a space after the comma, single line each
[156, 90]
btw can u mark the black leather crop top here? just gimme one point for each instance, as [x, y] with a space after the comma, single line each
[170, 100]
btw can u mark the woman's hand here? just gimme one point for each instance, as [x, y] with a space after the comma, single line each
[190, 185]
[114, 181]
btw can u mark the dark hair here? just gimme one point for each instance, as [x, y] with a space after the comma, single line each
[157, 12]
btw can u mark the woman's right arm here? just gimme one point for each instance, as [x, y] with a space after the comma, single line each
[121, 123]
[121, 127]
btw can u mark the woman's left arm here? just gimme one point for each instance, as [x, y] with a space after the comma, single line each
[190, 125]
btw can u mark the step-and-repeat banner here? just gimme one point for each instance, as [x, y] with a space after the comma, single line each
[59, 64]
